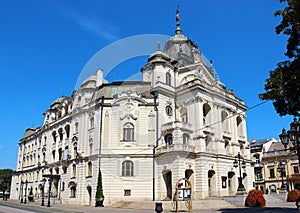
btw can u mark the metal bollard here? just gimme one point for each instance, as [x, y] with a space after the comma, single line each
[158, 207]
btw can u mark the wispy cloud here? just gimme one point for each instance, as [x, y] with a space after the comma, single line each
[92, 23]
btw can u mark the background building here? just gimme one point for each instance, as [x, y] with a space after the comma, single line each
[179, 121]
[276, 168]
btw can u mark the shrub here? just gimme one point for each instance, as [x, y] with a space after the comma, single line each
[255, 198]
[293, 195]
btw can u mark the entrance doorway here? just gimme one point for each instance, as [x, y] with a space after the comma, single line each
[89, 191]
[212, 183]
[168, 181]
[230, 183]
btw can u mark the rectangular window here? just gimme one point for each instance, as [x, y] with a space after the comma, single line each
[127, 192]
[272, 173]
[296, 170]
[258, 175]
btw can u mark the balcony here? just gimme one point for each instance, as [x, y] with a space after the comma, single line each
[227, 134]
[186, 127]
[174, 148]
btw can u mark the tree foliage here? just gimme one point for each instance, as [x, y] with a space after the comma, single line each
[5, 179]
[99, 192]
[283, 85]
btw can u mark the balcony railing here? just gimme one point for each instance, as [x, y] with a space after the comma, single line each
[178, 124]
[175, 147]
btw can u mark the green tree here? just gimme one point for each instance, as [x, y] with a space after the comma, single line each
[99, 192]
[283, 85]
[5, 179]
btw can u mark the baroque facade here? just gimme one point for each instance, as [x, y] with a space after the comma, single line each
[180, 121]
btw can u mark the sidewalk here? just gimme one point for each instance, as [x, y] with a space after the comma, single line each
[212, 205]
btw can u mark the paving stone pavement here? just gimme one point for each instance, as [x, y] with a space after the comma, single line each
[211, 205]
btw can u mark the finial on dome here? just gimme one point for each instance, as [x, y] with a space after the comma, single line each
[178, 30]
[158, 46]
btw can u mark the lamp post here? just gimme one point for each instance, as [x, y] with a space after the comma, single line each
[22, 185]
[239, 162]
[293, 135]
[281, 169]
[49, 192]
[25, 200]
[43, 191]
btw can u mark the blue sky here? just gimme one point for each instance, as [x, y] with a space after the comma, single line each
[44, 45]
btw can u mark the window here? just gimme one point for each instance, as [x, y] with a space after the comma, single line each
[127, 192]
[169, 139]
[168, 78]
[169, 110]
[76, 127]
[54, 136]
[60, 133]
[91, 148]
[73, 171]
[127, 168]
[63, 186]
[92, 122]
[90, 169]
[296, 169]
[73, 192]
[184, 116]
[257, 159]
[128, 132]
[258, 175]
[272, 173]
[185, 138]
[67, 129]
[53, 155]
[206, 114]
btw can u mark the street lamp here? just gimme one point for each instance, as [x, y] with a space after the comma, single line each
[26, 182]
[239, 162]
[281, 169]
[292, 135]
[50, 182]
[43, 191]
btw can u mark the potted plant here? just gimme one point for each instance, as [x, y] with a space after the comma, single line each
[99, 192]
[255, 198]
[30, 195]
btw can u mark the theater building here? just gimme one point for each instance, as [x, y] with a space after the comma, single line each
[179, 121]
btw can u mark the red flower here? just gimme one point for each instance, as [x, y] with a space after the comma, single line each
[293, 195]
[255, 198]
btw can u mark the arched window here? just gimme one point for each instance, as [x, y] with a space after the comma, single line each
[225, 123]
[91, 148]
[206, 114]
[127, 168]
[76, 127]
[128, 132]
[90, 169]
[73, 171]
[66, 107]
[92, 122]
[184, 116]
[73, 192]
[67, 129]
[168, 78]
[54, 136]
[60, 133]
[186, 138]
[227, 147]
[169, 139]
[239, 124]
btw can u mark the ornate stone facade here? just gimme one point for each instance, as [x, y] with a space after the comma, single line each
[179, 121]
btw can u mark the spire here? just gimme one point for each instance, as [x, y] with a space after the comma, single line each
[178, 30]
